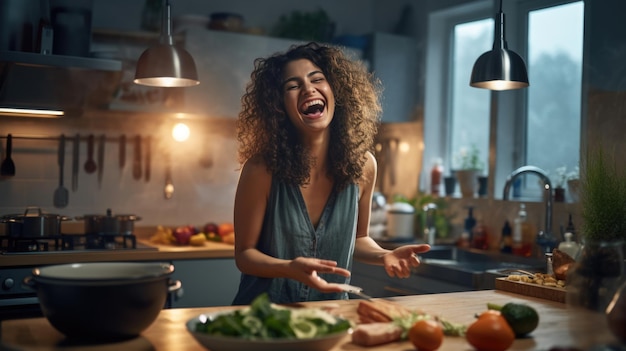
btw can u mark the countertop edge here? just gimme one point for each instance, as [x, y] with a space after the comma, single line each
[154, 253]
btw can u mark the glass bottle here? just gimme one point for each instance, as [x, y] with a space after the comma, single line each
[436, 174]
[506, 241]
[523, 234]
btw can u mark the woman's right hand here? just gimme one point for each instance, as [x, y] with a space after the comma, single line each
[305, 270]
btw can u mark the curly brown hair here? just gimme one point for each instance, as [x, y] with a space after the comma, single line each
[264, 129]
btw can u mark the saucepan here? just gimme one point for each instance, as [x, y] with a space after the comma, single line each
[33, 223]
[102, 300]
[109, 224]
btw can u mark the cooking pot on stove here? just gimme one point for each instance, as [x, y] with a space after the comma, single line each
[109, 224]
[33, 223]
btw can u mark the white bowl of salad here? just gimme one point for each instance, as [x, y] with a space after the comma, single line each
[267, 326]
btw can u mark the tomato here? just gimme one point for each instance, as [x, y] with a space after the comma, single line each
[426, 335]
[225, 228]
[490, 332]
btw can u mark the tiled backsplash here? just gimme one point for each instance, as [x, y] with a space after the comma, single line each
[201, 193]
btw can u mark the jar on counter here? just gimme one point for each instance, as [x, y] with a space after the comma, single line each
[400, 221]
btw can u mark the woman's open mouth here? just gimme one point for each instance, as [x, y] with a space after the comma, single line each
[313, 108]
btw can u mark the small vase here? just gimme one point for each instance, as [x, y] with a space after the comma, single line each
[483, 182]
[597, 275]
[573, 188]
[559, 194]
[449, 185]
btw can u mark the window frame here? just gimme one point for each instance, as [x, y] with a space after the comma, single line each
[508, 109]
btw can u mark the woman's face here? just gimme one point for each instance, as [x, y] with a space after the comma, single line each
[309, 100]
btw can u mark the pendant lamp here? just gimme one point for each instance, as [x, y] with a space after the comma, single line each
[165, 65]
[500, 68]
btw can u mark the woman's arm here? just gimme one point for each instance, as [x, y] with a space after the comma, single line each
[367, 250]
[397, 262]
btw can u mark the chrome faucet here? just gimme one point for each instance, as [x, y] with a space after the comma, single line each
[545, 237]
[430, 231]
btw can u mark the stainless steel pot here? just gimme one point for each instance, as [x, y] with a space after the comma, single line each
[102, 300]
[33, 223]
[109, 224]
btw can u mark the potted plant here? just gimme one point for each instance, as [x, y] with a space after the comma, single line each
[469, 167]
[559, 177]
[600, 266]
[573, 184]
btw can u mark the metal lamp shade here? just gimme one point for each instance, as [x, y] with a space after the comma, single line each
[499, 69]
[165, 65]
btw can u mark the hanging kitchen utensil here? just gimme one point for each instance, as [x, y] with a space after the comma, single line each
[122, 151]
[90, 164]
[381, 157]
[148, 158]
[394, 145]
[137, 159]
[7, 168]
[168, 191]
[75, 162]
[206, 161]
[61, 195]
[101, 142]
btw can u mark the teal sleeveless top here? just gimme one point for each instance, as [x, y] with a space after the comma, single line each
[287, 233]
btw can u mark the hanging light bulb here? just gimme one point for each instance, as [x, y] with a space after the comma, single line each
[180, 132]
[165, 65]
[500, 68]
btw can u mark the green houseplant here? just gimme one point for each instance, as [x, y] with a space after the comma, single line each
[603, 196]
[468, 167]
[600, 266]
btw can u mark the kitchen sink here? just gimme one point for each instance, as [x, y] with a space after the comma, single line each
[473, 268]
[477, 260]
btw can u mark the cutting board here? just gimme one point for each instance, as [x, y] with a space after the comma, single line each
[530, 289]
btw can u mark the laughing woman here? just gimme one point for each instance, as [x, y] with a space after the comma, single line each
[303, 202]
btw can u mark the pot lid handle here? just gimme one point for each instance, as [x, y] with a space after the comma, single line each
[29, 213]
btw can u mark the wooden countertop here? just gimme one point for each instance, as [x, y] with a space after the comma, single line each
[559, 325]
[147, 252]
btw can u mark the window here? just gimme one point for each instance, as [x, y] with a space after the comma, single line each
[555, 71]
[469, 107]
[548, 34]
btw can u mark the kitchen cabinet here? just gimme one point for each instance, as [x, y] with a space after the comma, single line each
[224, 61]
[206, 282]
[393, 59]
[375, 282]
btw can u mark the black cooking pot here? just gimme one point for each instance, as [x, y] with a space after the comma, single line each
[102, 300]
[33, 223]
[109, 224]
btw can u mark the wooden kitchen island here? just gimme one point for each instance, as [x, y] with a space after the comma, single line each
[559, 325]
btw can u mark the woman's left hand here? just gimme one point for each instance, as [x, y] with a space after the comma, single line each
[398, 262]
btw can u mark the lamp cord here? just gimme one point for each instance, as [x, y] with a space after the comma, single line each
[500, 5]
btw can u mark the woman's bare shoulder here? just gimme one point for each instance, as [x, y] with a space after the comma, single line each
[370, 167]
[255, 168]
[368, 178]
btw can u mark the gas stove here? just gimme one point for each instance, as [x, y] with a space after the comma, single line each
[70, 242]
